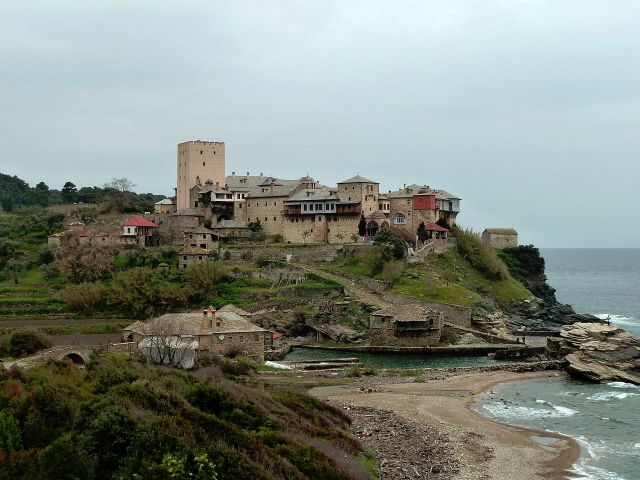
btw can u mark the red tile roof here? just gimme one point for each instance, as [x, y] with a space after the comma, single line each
[138, 221]
[434, 227]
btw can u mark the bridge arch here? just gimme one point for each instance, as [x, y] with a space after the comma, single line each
[76, 357]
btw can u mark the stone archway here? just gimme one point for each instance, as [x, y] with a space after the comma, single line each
[372, 228]
[75, 358]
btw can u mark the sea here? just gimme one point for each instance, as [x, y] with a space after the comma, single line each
[603, 418]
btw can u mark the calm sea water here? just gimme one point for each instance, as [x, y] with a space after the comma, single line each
[603, 418]
[392, 360]
[604, 282]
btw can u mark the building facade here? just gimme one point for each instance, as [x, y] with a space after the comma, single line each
[500, 237]
[198, 163]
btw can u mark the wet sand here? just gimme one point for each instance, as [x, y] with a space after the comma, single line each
[486, 449]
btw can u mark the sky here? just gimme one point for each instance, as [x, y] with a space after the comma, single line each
[529, 110]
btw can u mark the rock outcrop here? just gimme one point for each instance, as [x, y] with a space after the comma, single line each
[600, 352]
[545, 311]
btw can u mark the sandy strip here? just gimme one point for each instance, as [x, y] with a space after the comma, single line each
[486, 449]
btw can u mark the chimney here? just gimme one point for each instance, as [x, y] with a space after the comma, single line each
[208, 315]
[233, 174]
[217, 184]
[260, 173]
[247, 173]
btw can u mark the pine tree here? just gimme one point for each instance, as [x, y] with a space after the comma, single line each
[362, 226]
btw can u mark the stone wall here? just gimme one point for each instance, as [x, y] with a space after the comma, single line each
[301, 253]
[387, 336]
[251, 344]
[269, 211]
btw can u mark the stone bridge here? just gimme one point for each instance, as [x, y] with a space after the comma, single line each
[78, 354]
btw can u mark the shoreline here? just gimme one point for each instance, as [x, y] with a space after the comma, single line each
[485, 448]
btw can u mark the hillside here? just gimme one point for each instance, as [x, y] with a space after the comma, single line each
[122, 419]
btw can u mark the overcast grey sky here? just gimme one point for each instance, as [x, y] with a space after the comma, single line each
[528, 110]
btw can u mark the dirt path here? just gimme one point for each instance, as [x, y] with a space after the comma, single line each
[484, 449]
[356, 291]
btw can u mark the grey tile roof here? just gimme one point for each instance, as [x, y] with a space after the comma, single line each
[501, 231]
[357, 179]
[191, 324]
[314, 194]
[407, 313]
[228, 224]
[189, 212]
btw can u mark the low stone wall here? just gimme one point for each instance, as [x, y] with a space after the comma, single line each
[299, 253]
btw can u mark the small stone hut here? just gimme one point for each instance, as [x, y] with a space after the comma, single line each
[500, 237]
[407, 326]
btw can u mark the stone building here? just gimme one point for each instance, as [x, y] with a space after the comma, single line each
[409, 326]
[230, 230]
[166, 206]
[198, 162]
[222, 332]
[500, 237]
[85, 235]
[138, 230]
[198, 245]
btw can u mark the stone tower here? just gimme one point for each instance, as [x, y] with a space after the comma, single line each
[198, 162]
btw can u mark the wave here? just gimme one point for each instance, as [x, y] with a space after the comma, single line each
[623, 385]
[606, 396]
[618, 319]
[506, 411]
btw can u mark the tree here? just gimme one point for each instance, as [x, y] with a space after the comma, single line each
[255, 227]
[119, 191]
[362, 226]
[354, 237]
[15, 267]
[10, 437]
[82, 262]
[443, 223]
[422, 232]
[203, 279]
[69, 192]
[143, 291]
[389, 238]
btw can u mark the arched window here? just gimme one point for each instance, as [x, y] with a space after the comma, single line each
[399, 219]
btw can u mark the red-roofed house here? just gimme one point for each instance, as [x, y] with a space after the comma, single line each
[436, 231]
[137, 230]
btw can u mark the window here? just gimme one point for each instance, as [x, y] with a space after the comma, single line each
[241, 338]
[304, 207]
[265, 219]
[274, 219]
[275, 203]
[204, 164]
[256, 338]
[200, 152]
[266, 203]
[318, 206]
[399, 219]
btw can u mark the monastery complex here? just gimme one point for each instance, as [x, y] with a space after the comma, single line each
[299, 210]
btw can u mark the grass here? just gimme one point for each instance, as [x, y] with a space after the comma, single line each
[448, 278]
[30, 300]
[115, 327]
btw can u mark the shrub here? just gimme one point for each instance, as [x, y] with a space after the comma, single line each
[481, 256]
[45, 255]
[84, 297]
[375, 258]
[26, 343]
[448, 336]
[391, 271]
[49, 270]
[389, 238]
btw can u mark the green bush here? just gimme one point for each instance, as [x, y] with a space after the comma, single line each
[143, 291]
[26, 343]
[481, 256]
[10, 436]
[84, 297]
